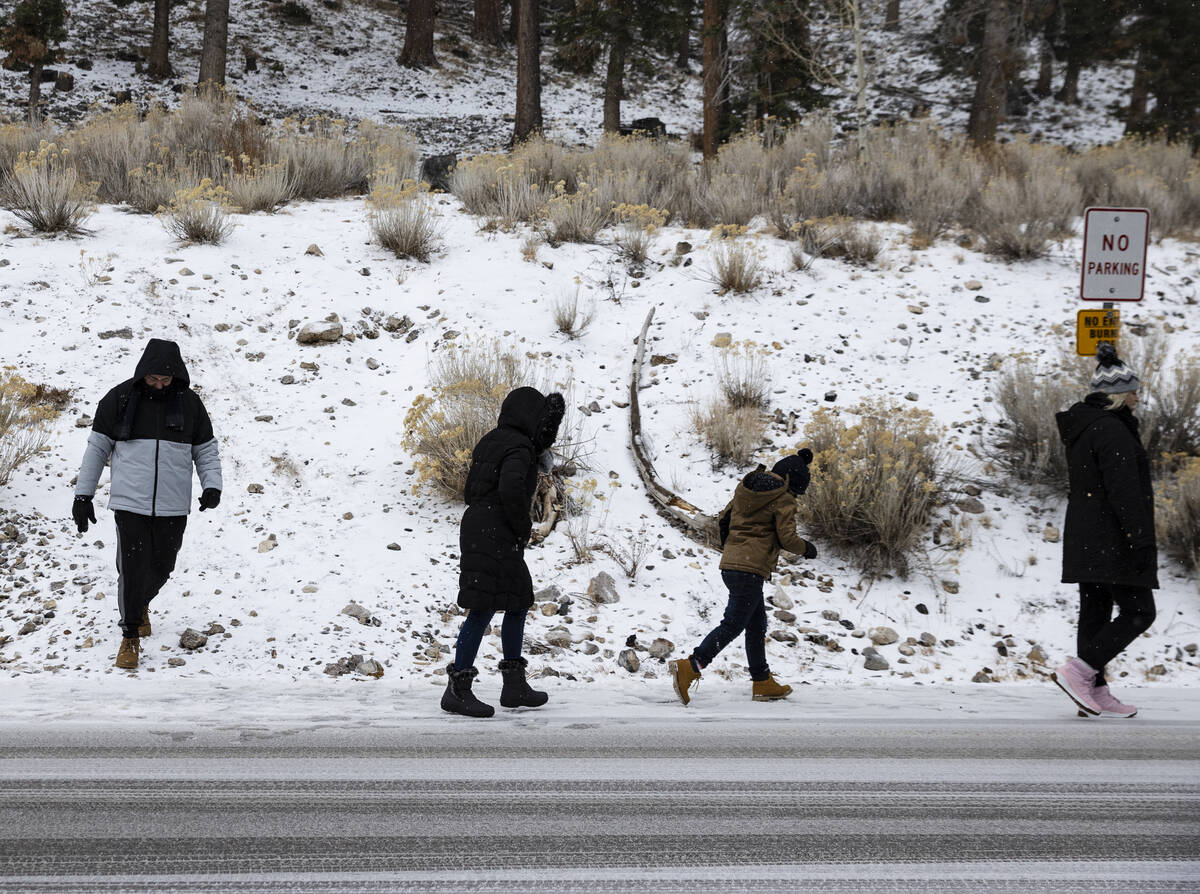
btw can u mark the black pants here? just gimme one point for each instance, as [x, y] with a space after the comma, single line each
[1103, 637]
[146, 550]
[745, 613]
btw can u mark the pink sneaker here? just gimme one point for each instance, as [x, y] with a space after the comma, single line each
[1078, 681]
[1109, 705]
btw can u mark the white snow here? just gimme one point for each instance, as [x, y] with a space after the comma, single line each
[352, 492]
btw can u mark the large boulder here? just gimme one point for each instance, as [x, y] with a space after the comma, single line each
[436, 170]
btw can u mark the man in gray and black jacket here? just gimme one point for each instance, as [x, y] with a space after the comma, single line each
[154, 428]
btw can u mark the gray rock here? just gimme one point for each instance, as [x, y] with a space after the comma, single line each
[192, 639]
[317, 333]
[875, 662]
[927, 639]
[981, 677]
[356, 611]
[126, 332]
[1051, 534]
[314, 249]
[371, 668]
[397, 324]
[972, 505]
[549, 594]
[830, 615]
[780, 599]
[603, 589]
[883, 636]
[785, 616]
[950, 586]
[1037, 656]
[906, 649]
[784, 636]
[559, 636]
[661, 648]
[629, 660]
[176, 662]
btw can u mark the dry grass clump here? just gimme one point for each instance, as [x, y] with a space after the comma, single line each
[1169, 410]
[837, 237]
[1020, 211]
[736, 263]
[400, 216]
[498, 187]
[1177, 510]
[875, 483]
[199, 214]
[742, 375]
[571, 316]
[639, 225]
[259, 187]
[16, 139]
[1029, 447]
[1145, 172]
[576, 216]
[467, 385]
[110, 146]
[44, 190]
[732, 433]
[323, 162]
[151, 188]
[25, 412]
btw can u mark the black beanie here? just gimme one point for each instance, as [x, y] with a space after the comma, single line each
[794, 469]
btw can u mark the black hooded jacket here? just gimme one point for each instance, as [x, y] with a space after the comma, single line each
[1110, 506]
[500, 487]
[153, 438]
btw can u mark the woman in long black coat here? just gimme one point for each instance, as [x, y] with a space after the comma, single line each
[1109, 547]
[495, 531]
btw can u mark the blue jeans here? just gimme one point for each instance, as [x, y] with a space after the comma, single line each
[512, 634]
[745, 612]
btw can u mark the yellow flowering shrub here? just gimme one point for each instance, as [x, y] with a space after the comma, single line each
[25, 413]
[46, 192]
[1177, 509]
[199, 214]
[875, 482]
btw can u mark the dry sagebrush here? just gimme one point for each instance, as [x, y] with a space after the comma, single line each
[44, 190]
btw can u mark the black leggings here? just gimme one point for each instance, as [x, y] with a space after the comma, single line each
[1103, 637]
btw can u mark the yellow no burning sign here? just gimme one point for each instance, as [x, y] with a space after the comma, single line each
[1095, 326]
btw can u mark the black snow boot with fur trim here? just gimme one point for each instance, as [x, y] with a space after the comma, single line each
[458, 698]
[517, 693]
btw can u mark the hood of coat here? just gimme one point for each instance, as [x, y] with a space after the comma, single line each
[162, 358]
[521, 409]
[1075, 421]
[758, 489]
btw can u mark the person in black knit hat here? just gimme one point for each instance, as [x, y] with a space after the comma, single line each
[1109, 545]
[759, 521]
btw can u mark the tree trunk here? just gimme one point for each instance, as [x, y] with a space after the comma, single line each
[1069, 92]
[1138, 96]
[854, 8]
[1045, 69]
[529, 71]
[685, 42]
[486, 26]
[35, 93]
[418, 35]
[614, 78]
[891, 17]
[713, 27]
[160, 43]
[216, 43]
[987, 106]
[512, 20]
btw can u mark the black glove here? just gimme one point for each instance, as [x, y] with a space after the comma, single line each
[810, 551]
[83, 512]
[1145, 558]
[210, 499]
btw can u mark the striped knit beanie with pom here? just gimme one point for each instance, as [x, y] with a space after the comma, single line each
[1112, 376]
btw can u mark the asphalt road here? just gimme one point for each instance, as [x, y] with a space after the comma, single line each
[647, 806]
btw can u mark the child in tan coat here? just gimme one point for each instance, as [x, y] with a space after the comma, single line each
[759, 521]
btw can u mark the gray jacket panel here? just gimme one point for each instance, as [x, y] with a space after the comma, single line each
[207, 458]
[95, 458]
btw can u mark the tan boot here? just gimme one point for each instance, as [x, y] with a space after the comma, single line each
[127, 657]
[144, 627]
[769, 690]
[684, 676]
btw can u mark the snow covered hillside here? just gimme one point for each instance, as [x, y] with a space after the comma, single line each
[319, 509]
[345, 64]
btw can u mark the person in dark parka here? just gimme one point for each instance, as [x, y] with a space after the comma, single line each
[154, 428]
[495, 530]
[1109, 546]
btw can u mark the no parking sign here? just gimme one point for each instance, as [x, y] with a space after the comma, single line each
[1114, 254]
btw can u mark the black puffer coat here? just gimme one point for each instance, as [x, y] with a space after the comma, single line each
[500, 487]
[1110, 508]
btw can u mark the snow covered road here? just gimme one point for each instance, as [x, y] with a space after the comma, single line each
[846, 790]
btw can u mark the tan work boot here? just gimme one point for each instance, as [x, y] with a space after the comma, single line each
[769, 690]
[127, 657]
[684, 676]
[144, 627]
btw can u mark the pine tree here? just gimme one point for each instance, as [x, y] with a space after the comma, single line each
[485, 26]
[528, 121]
[30, 36]
[1082, 33]
[418, 35]
[714, 61]
[1161, 33]
[216, 43]
[160, 43]
[987, 105]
